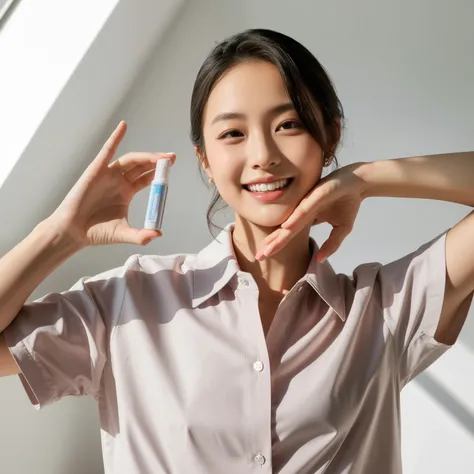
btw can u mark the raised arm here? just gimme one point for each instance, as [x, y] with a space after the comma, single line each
[337, 197]
[446, 177]
[23, 269]
[93, 213]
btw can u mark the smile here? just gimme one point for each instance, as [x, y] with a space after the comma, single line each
[266, 187]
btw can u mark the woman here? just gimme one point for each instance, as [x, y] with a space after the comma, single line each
[252, 354]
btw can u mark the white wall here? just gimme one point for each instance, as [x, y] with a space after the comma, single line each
[404, 71]
[38, 54]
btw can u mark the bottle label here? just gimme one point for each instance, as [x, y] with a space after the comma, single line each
[156, 196]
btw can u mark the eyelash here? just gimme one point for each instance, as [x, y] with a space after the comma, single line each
[298, 125]
[228, 132]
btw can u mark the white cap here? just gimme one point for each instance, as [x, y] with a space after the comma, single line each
[162, 170]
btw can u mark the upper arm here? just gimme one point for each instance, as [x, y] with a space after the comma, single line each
[60, 342]
[459, 279]
[412, 293]
[8, 365]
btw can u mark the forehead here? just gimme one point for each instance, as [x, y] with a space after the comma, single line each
[251, 86]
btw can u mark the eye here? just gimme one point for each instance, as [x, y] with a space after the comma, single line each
[289, 125]
[231, 134]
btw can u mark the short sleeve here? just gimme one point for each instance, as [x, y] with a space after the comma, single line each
[412, 294]
[60, 342]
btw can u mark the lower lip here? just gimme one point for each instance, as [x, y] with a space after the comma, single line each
[268, 195]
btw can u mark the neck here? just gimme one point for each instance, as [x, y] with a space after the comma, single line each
[278, 273]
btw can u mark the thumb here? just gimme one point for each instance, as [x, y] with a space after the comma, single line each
[138, 236]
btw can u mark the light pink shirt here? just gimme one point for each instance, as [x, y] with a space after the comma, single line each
[172, 349]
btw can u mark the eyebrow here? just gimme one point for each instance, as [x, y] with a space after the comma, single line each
[279, 109]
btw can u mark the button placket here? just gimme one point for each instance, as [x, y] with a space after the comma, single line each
[258, 395]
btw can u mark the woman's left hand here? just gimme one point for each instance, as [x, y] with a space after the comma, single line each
[336, 199]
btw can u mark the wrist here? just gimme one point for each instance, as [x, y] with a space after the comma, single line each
[379, 177]
[54, 234]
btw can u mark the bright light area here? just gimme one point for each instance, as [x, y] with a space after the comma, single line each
[4, 6]
[40, 46]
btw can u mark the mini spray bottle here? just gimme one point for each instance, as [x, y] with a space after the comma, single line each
[158, 192]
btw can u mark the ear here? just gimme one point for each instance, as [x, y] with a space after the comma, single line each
[335, 134]
[203, 160]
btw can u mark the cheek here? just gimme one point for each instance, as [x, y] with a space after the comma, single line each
[224, 162]
[306, 156]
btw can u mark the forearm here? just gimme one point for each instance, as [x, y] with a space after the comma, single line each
[28, 264]
[446, 177]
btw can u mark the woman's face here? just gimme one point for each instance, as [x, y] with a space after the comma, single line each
[262, 159]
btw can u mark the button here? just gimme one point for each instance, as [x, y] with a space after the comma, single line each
[243, 281]
[300, 287]
[259, 459]
[258, 366]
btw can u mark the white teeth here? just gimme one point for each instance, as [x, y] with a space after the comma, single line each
[260, 188]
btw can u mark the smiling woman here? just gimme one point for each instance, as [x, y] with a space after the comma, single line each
[300, 101]
[261, 143]
[252, 353]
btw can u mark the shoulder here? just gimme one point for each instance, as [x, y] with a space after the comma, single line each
[140, 272]
[400, 286]
[428, 257]
[151, 264]
[185, 278]
[163, 272]
[361, 281]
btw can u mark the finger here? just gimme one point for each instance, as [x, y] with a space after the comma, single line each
[281, 240]
[332, 244]
[110, 147]
[143, 181]
[265, 243]
[270, 238]
[130, 160]
[277, 244]
[138, 171]
[307, 208]
[137, 236]
[301, 214]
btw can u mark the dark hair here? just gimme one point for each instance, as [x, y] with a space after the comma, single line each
[306, 81]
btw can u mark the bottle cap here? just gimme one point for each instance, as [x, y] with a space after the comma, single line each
[162, 170]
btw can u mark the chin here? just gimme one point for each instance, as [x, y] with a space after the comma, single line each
[268, 220]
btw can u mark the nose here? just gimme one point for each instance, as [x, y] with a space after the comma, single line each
[263, 153]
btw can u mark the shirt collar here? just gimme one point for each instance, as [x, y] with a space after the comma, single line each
[216, 264]
[323, 279]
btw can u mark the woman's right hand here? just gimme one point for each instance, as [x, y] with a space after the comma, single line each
[95, 211]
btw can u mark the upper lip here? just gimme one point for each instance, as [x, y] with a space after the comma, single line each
[268, 179]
